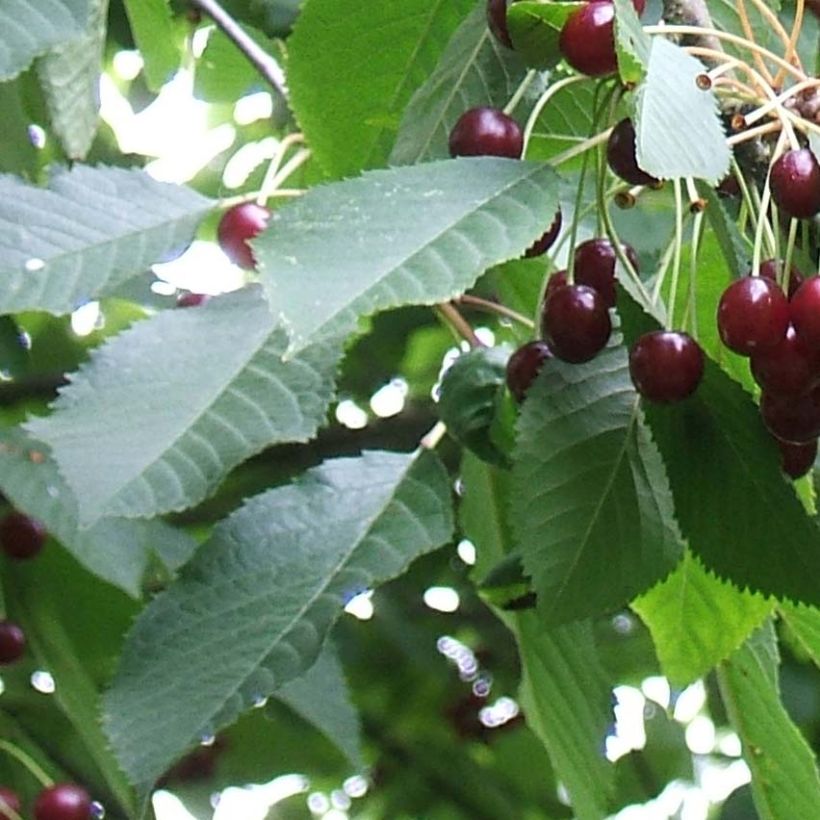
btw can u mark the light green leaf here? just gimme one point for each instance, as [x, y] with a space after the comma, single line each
[785, 782]
[697, 620]
[631, 44]
[804, 623]
[678, 130]
[386, 49]
[592, 507]
[535, 29]
[261, 595]
[70, 79]
[89, 231]
[162, 411]
[320, 696]
[473, 70]
[415, 235]
[155, 35]
[116, 550]
[29, 29]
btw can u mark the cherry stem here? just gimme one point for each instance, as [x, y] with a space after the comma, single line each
[520, 91]
[8, 811]
[451, 316]
[764, 207]
[754, 133]
[690, 317]
[752, 117]
[431, 439]
[258, 57]
[270, 179]
[773, 20]
[747, 30]
[581, 148]
[663, 269]
[771, 234]
[494, 307]
[230, 201]
[21, 757]
[791, 48]
[787, 261]
[673, 293]
[542, 101]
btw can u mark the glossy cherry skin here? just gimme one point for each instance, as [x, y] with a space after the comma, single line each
[12, 642]
[805, 312]
[63, 801]
[497, 21]
[21, 536]
[545, 242]
[587, 40]
[237, 226]
[771, 270]
[795, 183]
[666, 366]
[789, 367]
[575, 323]
[797, 459]
[753, 315]
[486, 132]
[192, 299]
[622, 157]
[524, 365]
[595, 262]
[792, 418]
[9, 800]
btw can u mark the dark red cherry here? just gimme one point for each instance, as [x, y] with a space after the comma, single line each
[21, 536]
[792, 418]
[622, 157]
[753, 314]
[797, 459]
[237, 226]
[575, 323]
[9, 800]
[12, 642]
[595, 262]
[63, 801]
[556, 280]
[795, 182]
[542, 245]
[805, 312]
[192, 299]
[497, 21]
[771, 270]
[729, 187]
[524, 365]
[788, 367]
[486, 131]
[587, 40]
[666, 366]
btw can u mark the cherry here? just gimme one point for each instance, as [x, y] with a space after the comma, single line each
[486, 132]
[789, 367]
[621, 155]
[795, 182]
[21, 536]
[9, 800]
[666, 365]
[237, 226]
[587, 40]
[575, 323]
[497, 21]
[544, 243]
[797, 459]
[771, 269]
[63, 801]
[595, 266]
[556, 280]
[729, 187]
[805, 311]
[192, 299]
[12, 642]
[524, 365]
[753, 314]
[794, 419]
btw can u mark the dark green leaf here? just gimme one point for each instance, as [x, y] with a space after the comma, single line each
[535, 28]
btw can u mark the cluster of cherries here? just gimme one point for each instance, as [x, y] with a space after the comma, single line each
[22, 538]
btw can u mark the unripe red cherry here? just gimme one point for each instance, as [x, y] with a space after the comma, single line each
[63, 801]
[792, 418]
[575, 323]
[666, 366]
[497, 21]
[21, 536]
[771, 269]
[789, 367]
[524, 365]
[795, 183]
[805, 312]
[9, 800]
[797, 459]
[237, 226]
[484, 131]
[545, 242]
[595, 262]
[753, 314]
[587, 40]
[12, 642]
[621, 155]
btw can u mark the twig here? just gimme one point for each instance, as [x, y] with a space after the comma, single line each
[493, 307]
[452, 317]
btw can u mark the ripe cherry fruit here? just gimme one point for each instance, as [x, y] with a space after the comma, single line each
[805, 311]
[666, 366]
[63, 801]
[753, 314]
[797, 459]
[524, 365]
[575, 323]
[795, 182]
[237, 226]
[21, 536]
[486, 131]
[772, 268]
[595, 266]
[545, 242]
[9, 800]
[587, 40]
[789, 367]
[792, 418]
[621, 155]
[497, 21]
[12, 642]
[192, 299]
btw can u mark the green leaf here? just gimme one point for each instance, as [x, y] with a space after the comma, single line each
[116, 550]
[386, 49]
[473, 70]
[567, 699]
[804, 623]
[89, 231]
[631, 44]
[18, 155]
[678, 130]
[155, 35]
[28, 30]
[70, 79]
[592, 506]
[320, 696]
[785, 782]
[736, 252]
[262, 594]
[697, 620]
[535, 28]
[565, 122]
[211, 390]
[341, 252]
